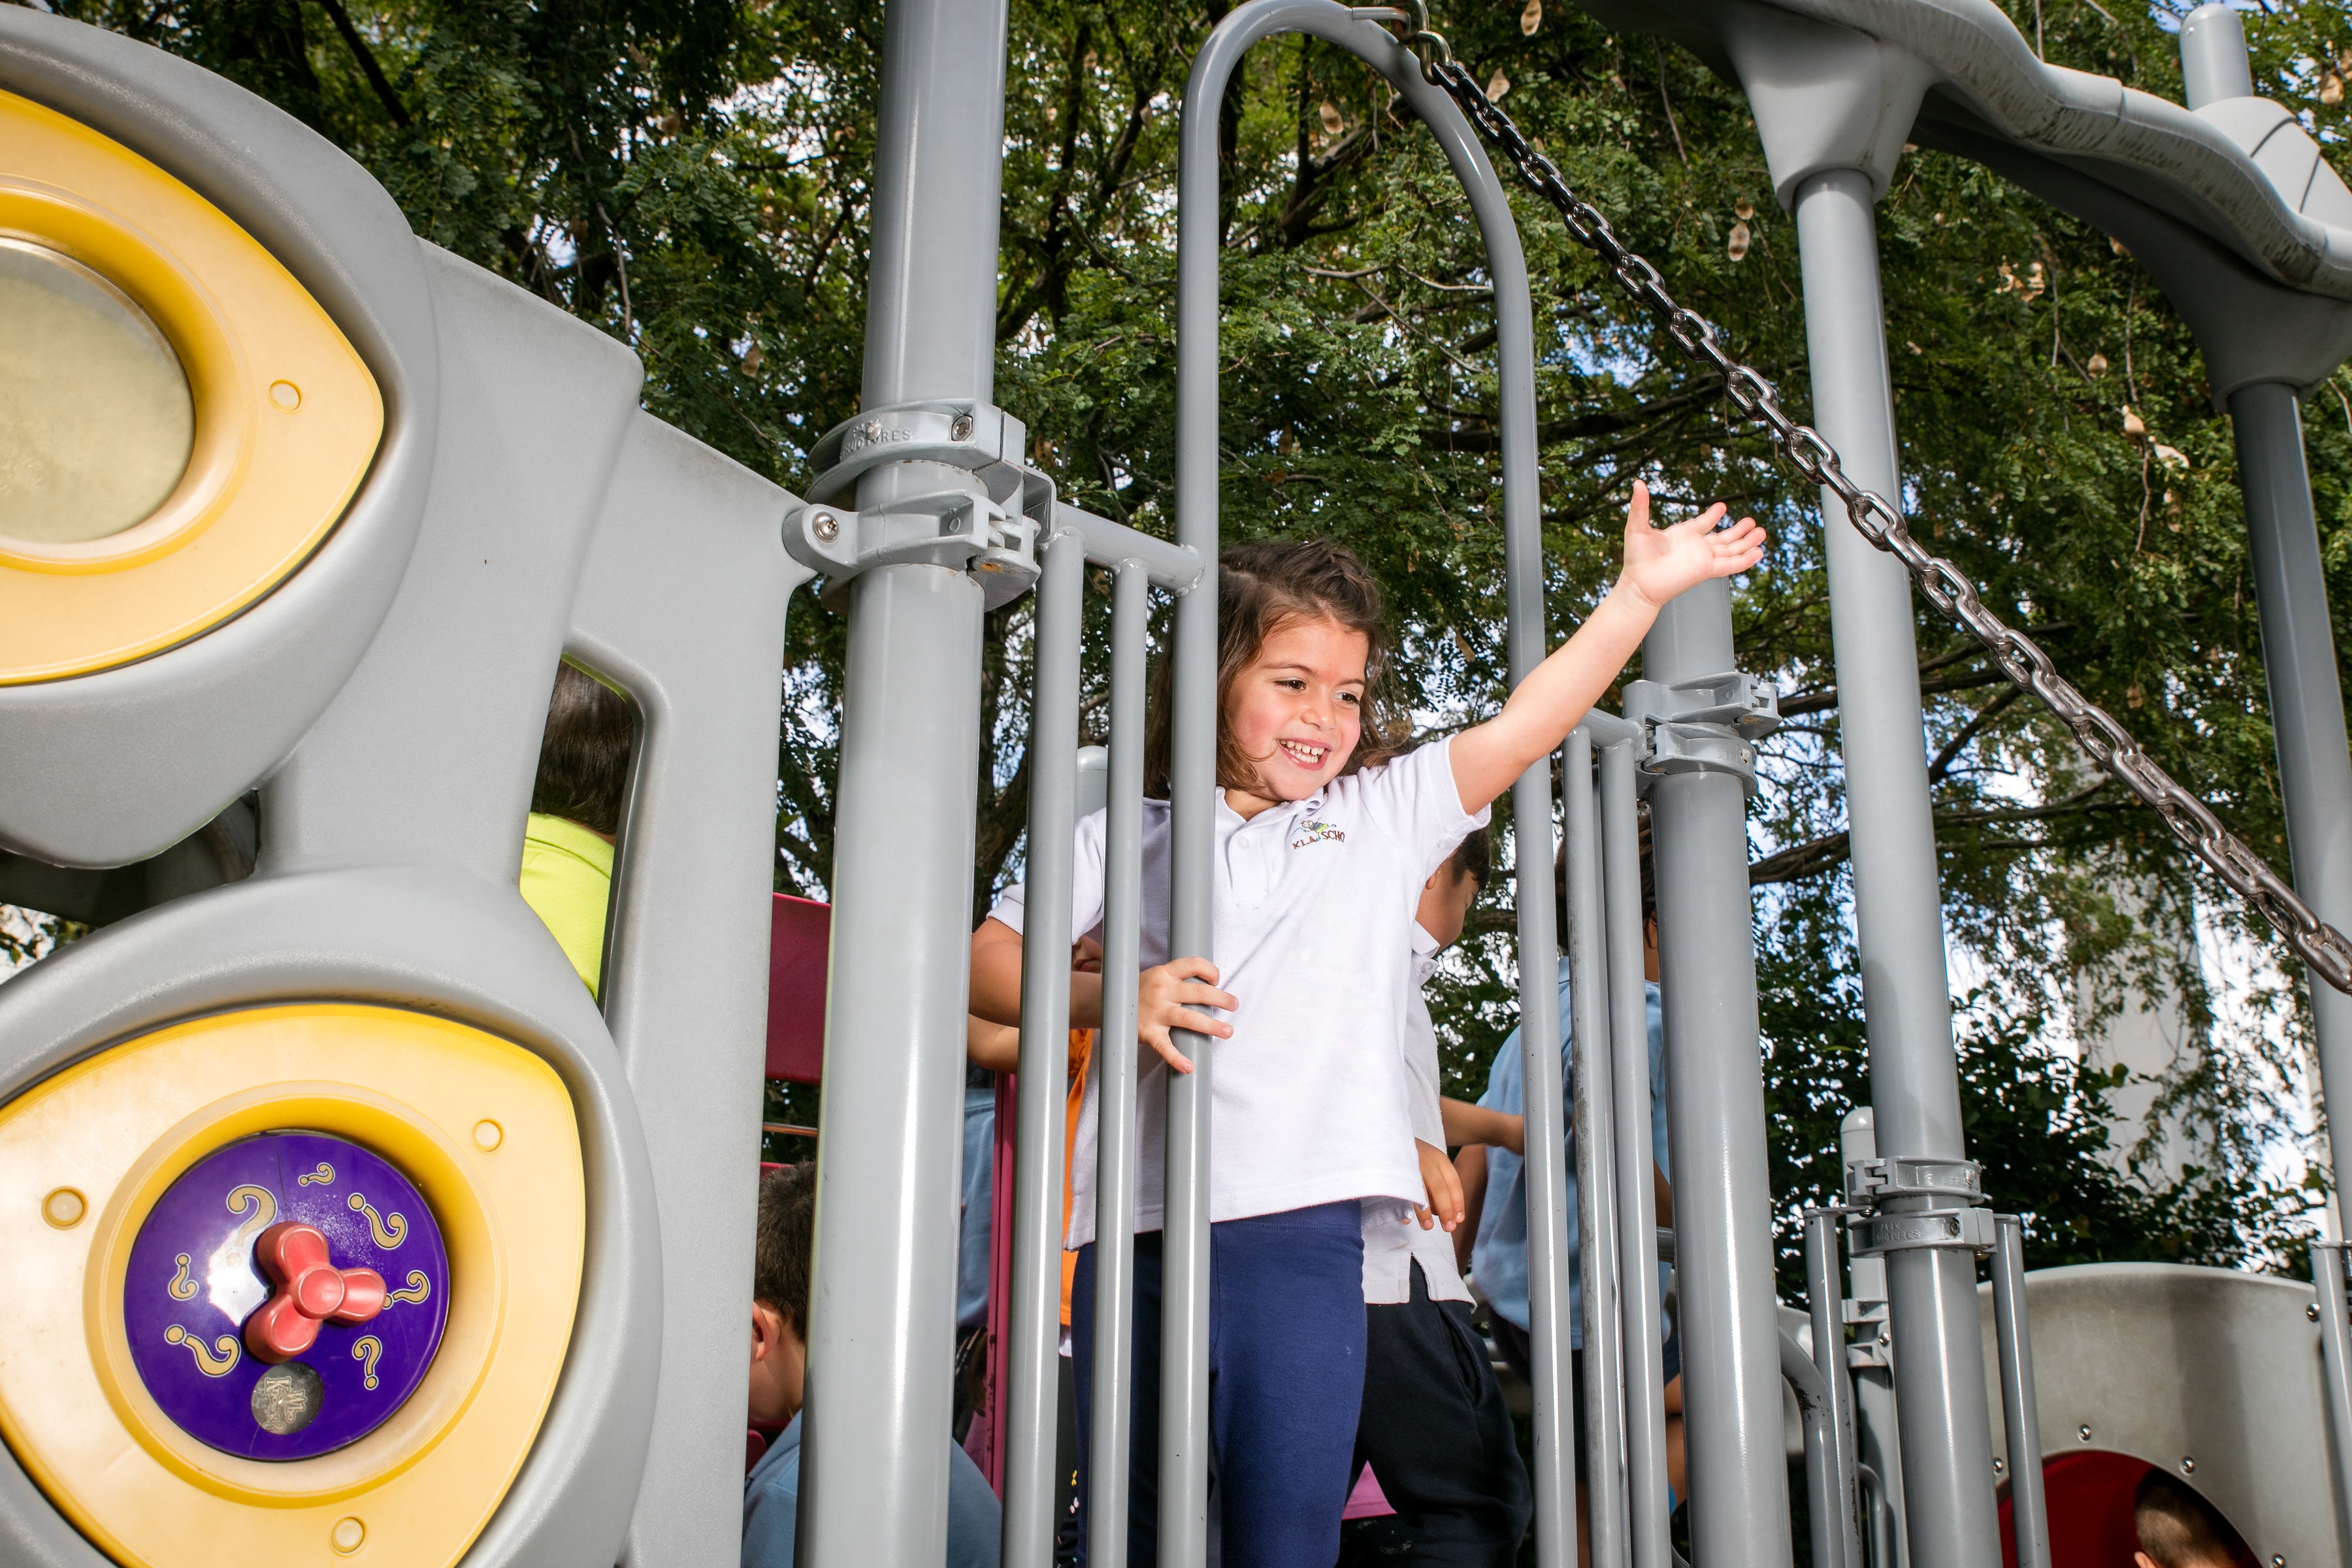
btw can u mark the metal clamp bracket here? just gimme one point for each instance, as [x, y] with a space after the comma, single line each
[978, 436]
[1707, 725]
[1869, 1183]
[1969, 1230]
[992, 534]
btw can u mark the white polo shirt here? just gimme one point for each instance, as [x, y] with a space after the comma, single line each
[1314, 907]
[1393, 1237]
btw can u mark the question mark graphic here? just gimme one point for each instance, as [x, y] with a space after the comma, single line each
[367, 1350]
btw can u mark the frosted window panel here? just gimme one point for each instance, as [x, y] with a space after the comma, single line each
[95, 422]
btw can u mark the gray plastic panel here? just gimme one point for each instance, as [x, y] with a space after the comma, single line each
[438, 941]
[2167, 1364]
[79, 783]
[682, 605]
[535, 406]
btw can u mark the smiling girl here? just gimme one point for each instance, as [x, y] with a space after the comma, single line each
[1327, 832]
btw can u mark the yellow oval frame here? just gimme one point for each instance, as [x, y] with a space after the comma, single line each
[124, 1125]
[264, 484]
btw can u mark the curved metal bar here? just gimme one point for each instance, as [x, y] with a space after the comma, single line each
[1184, 1375]
[1821, 1487]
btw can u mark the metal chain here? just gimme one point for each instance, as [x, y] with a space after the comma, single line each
[1945, 584]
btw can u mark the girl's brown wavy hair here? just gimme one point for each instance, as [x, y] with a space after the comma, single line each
[1260, 589]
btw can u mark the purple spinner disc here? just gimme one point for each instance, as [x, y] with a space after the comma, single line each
[193, 1282]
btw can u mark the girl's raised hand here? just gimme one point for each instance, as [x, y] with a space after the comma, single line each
[1660, 563]
[1167, 997]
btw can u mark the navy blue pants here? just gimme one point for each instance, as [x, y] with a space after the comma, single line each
[1286, 1382]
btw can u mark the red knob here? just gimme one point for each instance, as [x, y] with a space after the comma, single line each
[310, 1290]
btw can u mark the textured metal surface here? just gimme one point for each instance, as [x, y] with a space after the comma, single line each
[2238, 1396]
[1943, 584]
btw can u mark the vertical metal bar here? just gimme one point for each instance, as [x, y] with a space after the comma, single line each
[1030, 1393]
[1637, 1198]
[1596, 1161]
[2306, 702]
[2336, 1365]
[873, 1477]
[1544, 1141]
[1114, 1068]
[1898, 911]
[1877, 1444]
[2020, 1412]
[1723, 1190]
[1184, 1405]
[1192, 783]
[1829, 1355]
[1816, 1416]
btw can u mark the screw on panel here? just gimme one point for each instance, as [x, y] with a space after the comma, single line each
[2312, 1311]
[2087, 1432]
[1998, 1464]
[961, 430]
[2187, 1465]
[873, 429]
[826, 526]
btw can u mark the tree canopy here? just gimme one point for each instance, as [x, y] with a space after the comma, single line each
[692, 176]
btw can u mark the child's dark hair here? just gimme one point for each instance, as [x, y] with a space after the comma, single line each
[584, 757]
[1260, 588]
[1474, 857]
[2179, 1529]
[786, 1239]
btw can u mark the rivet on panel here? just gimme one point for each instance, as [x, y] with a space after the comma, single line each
[2187, 1465]
[2085, 1431]
[2310, 1311]
[487, 1136]
[347, 1536]
[64, 1208]
[286, 396]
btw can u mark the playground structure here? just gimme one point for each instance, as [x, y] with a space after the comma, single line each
[417, 488]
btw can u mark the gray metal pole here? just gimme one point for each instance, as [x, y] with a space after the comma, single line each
[1829, 1356]
[1032, 1371]
[874, 1479]
[1817, 1417]
[1596, 1155]
[1184, 1405]
[2336, 1358]
[2020, 1411]
[1637, 1198]
[1114, 1069]
[1723, 1188]
[2306, 702]
[1898, 911]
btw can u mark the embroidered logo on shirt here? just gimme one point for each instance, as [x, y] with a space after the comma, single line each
[1314, 832]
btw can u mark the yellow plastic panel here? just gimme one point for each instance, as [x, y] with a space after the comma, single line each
[85, 1155]
[286, 415]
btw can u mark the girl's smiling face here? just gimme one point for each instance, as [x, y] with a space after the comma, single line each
[1296, 709]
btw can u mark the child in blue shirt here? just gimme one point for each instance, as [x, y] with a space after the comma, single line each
[780, 1307]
